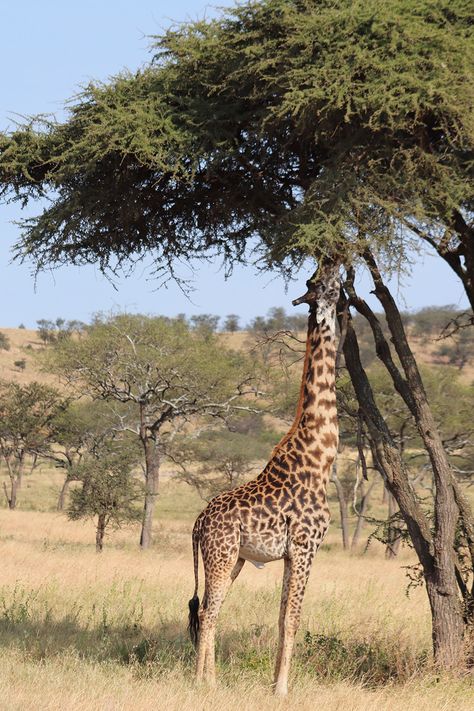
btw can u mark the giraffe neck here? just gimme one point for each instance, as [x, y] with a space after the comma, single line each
[317, 399]
[316, 412]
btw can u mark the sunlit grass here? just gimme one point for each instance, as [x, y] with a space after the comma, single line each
[85, 631]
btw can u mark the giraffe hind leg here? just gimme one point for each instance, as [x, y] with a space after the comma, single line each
[217, 586]
[281, 619]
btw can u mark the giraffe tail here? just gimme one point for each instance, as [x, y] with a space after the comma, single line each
[193, 619]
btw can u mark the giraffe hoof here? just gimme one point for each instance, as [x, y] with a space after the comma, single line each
[281, 689]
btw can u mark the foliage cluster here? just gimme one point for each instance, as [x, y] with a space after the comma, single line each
[4, 342]
[27, 429]
[51, 331]
[217, 460]
[243, 127]
[108, 490]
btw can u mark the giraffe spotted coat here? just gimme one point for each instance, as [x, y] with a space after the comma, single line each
[283, 513]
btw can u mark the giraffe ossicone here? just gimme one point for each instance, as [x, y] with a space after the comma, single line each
[282, 513]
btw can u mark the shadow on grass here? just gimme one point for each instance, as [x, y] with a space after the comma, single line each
[126, 644]
[249, 652]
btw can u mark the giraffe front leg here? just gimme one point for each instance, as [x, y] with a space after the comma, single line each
[295, 577]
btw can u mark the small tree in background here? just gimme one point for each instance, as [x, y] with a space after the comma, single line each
[52, 331]
[27, 413]
[205, 324]
[109, 493]
[155, 374]
[4, 342]
[231, 323]
[80, 429]
[278, 320]
[219, 460]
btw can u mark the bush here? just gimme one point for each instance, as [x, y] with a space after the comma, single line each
[4, 342]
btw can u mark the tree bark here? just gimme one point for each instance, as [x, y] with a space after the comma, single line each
[343, 506]
[14, 487]
[364, 503]
[62, 494]
[444, 600]
[100, 532]
[393, 534]
[437, 563]
[152, 473]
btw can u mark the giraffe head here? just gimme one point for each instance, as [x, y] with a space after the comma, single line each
[323, 292]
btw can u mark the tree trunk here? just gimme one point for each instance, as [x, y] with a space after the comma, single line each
[393, 536]
[364, 504]
[437, 563]
[100, 532]
[447, 622]
[448, 650]
[62, 494]
[343, 506]
[152, 472]
[15, 486]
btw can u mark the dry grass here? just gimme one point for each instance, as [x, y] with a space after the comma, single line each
[24, 344]
[82, 631]
[87, 632]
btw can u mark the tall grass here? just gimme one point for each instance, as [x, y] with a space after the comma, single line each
[86, 631]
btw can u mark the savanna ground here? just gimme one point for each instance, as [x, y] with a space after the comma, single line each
[108, 632]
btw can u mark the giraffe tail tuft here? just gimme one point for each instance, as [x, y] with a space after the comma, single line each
[193, 625]
[193, 619]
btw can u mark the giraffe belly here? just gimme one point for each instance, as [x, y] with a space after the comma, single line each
[257, 551]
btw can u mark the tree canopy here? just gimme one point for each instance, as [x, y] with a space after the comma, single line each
[155, 374]
[295, 127]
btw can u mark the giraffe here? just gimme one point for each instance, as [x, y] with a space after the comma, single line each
[283, 513]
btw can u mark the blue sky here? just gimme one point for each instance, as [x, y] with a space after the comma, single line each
[48, 50]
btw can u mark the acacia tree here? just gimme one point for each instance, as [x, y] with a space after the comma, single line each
[447, 577]
[219, 459]
[108, 491]
[300, 127]
[27, 415]
[155, 374]
[79, 429]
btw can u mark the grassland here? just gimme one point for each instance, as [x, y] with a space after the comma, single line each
[92, 632]
[87, 632]
[26, 344]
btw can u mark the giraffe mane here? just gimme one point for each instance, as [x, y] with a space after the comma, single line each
[299, 407]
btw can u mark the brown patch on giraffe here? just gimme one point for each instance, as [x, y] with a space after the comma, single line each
[329, 439]
[317, 453]
[296, 461]
[326, 404]
[319, 421]
[299, 444]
